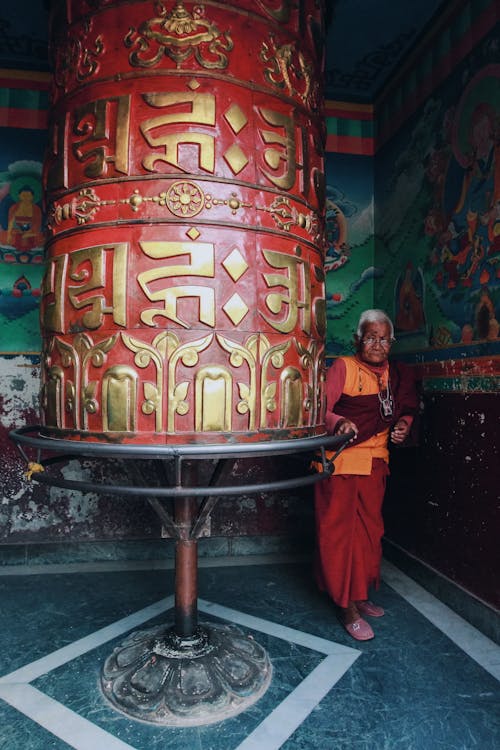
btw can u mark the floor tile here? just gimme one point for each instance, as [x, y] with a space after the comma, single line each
[411, 688]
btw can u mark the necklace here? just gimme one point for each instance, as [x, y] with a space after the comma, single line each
[386, 400]
[386, 403]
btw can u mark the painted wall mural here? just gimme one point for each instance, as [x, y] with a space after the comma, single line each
[22, 233]
[436, 241]
[349, 264]
[438, 227]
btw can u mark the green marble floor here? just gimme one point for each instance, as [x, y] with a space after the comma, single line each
[428, 681]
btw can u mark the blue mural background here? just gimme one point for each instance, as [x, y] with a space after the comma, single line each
[349, 266]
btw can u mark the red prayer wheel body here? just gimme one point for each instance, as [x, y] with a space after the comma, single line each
[184, 295]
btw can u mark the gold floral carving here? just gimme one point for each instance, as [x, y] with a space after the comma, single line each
[183, 198]
[298, 397]
[289, 71]
[80, 393]
[291, 411]
[270, 356]
[179, 35]
[144, 356]
[82, 208]
[285, 216]
[240, 355]
[119, 396]
[295, 391]
[280, 13]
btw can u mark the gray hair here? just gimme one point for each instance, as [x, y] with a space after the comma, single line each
[374, 316]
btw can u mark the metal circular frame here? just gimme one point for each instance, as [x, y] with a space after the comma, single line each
[65, 450]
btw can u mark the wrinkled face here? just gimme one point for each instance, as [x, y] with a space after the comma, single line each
[375, 344]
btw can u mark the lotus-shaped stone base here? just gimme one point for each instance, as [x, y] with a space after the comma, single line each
[158, 677]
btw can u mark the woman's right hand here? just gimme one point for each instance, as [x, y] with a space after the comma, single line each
[345, 425]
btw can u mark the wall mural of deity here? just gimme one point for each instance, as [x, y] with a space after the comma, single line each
[349, 262]
[438, 223]
[22, 237]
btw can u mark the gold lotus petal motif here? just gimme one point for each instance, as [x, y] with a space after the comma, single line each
[185, 198]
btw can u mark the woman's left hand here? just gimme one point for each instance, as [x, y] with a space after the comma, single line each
[400, 431]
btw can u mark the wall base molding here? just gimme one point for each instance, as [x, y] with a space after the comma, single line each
[143, 553]
[478, 613]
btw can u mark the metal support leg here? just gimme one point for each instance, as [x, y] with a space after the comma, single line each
[186, 569]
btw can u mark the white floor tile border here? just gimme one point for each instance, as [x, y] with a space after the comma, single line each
[81, 734]
[46, 664]
[60, 721]
[470, 640]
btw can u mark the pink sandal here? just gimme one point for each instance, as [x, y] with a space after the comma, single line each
[359, 629]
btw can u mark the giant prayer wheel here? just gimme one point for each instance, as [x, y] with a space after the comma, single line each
[184, 295]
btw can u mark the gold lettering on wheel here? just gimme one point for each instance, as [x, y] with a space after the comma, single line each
[88, 267]
[296, 281]
[104, 125]
[213, 394]
[201, 256]
[52, 294]
[57, 172]
[284, 154]
[202, 112]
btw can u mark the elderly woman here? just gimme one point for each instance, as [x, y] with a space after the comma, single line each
[374, 399]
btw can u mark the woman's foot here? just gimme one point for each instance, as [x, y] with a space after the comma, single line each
[358, 628]
[368, 608]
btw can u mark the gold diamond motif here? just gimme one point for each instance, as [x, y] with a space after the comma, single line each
[235, 264]
[193, 233]
[235, 309]
[235, 158]
[194, 84]
[235, 118]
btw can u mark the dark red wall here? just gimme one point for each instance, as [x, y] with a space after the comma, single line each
[442, 503]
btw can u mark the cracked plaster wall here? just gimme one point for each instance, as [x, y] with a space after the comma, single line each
[31, 512]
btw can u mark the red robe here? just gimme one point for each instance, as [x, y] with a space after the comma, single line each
[348, 506]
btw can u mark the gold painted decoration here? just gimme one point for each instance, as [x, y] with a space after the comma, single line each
[179, 35]
[184, 294]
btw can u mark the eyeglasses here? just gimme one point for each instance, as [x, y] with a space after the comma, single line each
[384, 343]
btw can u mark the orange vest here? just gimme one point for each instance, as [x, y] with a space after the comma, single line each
[357, 459]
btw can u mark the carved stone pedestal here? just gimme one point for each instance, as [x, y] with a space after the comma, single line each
[159, 677]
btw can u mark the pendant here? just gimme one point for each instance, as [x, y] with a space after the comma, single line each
[386, 407]
[386, 404]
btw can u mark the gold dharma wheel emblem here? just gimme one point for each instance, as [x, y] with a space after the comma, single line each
[185, 199]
